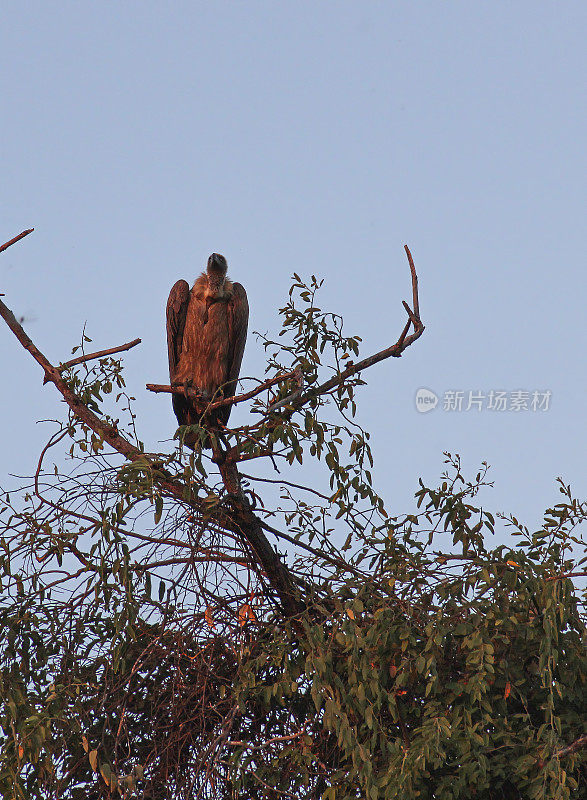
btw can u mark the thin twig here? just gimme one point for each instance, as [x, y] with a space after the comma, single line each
[403, 334]
[411, 315]
[334, 560]
[275, 739]
[415, 301]
[567, 575]
[98, 354]
[578, 744]
[16, 239]
[287, 483]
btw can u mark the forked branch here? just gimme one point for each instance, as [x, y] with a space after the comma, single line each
[226, 401]
[394, 351]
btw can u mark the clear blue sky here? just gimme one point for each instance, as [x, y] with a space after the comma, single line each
[138, 137]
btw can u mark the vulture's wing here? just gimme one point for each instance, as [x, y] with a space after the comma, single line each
[177, 307]
[238, 318]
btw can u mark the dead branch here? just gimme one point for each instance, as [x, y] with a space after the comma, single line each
[165, 388]
[99, 354]
[415, 300]
[395, 351]
[16, 239]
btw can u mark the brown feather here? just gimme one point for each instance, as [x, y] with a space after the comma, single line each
[238, 318]
[177, 306]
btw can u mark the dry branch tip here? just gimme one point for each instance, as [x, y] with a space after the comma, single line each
[15, 239]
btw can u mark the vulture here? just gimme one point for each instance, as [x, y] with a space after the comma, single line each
[206, 334]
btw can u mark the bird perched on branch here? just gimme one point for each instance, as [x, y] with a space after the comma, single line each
[206, 334]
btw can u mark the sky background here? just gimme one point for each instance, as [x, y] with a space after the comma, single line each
[139, 137]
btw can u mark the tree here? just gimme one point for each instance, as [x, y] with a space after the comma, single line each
[156, 644]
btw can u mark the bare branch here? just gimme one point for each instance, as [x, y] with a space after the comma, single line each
[404, 333]
[165, 388]
[251, 529]
[281, 482]
[413, 319]
[98, 354]
[300, 398]
[16, 239]
[415, 301]
[227, 401]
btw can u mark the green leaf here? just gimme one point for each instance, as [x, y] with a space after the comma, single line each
[106, 773]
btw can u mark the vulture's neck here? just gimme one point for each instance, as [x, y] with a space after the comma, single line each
[205, 286]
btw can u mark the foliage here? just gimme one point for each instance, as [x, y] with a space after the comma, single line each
[146, 653]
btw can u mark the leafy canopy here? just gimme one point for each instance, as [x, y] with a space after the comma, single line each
[147, 653]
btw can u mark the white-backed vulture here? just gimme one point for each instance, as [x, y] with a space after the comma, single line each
[206, 334]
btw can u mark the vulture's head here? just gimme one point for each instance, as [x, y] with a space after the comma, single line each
[216, 270]
[217, 267]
